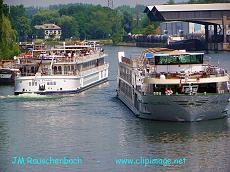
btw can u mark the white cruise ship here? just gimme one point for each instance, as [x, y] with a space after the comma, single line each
[68, 69]
[172, 85]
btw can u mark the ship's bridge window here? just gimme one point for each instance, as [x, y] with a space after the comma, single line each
[179, 59]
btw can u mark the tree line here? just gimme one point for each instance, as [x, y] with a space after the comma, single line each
[80, 21]
[8, 46]
[77, 21]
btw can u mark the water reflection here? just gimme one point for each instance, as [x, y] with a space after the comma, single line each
[4, 142]
[206, 144]
[170, 132]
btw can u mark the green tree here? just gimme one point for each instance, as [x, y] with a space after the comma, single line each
[171, 2]
[45, 16]
[8, 37]
[127, 22]
[23, 28]
[95, 22]
[150, 29]
[8, 47]
[69, 27]
[1, 14]
[20, 21]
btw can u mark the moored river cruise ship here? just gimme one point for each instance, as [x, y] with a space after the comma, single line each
[172, 85]
[67, 69]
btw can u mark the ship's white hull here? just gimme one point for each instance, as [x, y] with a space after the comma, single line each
[59, 84]
[177, 108]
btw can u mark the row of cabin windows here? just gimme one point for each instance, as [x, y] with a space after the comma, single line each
[126, 74]
[90, 64]
[28, 69]
[125, 88]
[208, 88]
[33, 83]
[48, 83]
[51, 83]
[58, 69]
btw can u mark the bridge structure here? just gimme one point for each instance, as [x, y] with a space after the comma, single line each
[216, 14]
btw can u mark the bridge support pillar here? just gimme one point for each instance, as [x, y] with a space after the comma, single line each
[224, 22]
[206, 36]
[226, 45]
[215, 38]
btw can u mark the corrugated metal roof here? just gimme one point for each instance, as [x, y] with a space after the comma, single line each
[192, 7]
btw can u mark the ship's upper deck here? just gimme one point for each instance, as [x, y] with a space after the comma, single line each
[164, 56]
[174, 65]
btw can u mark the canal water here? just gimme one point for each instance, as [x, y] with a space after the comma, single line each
[95, 127]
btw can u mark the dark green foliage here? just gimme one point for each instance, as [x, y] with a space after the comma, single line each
[70, 28]
[8, 47]
[171, 2]
[95, 22]
[20, 21]
[1, 14]
[135, 21]
[45, 16]
[127, 22]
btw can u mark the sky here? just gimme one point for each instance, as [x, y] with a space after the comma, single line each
[101, 2]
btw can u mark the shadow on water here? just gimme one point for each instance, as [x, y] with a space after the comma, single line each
[163, 132]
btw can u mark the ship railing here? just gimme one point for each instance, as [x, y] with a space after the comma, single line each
[180, 94]
[89, 56]
[194, 75]
[79, 57]
[95, 69]
[26, 74]
[73, 72]
[127, 77]
[145, 91]
[68, 73]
